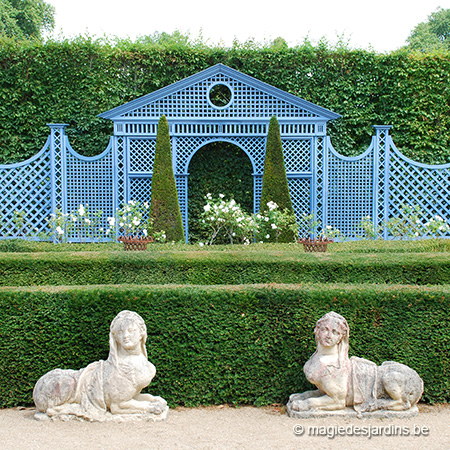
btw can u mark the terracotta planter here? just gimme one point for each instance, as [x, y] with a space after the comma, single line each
[313, 245]
[134, 243]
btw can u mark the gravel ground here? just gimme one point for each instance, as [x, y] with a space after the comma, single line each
[224, 427]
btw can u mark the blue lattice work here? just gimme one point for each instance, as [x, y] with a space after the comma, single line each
[220, 104]
[412, 183]
[349, 190]
[26, 189]
[89, 182]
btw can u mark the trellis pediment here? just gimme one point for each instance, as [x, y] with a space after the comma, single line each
[191, 99]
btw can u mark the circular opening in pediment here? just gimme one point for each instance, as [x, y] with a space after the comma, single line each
[220, 95]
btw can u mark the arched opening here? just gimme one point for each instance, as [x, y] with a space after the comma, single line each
[218, 168]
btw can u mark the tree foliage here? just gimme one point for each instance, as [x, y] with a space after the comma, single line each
[275, 185]
[433, 34]
[164, 206]
[26, 19]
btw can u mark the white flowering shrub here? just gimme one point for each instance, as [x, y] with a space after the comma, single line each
[86, 224]
[133, 220]
[309, 227]
[274, 222]
[436, 226]
[370, 231]
[226, 217]
[59, 227]
[410, 224]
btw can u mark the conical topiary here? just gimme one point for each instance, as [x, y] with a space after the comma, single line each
[164, 206]
[275, 185]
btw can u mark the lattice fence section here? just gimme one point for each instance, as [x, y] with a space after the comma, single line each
[426, 187]
[382, 143]
[297, 155]
[26, 188]
[181, 184]
[58, 140]
[90, 183]
[141, 189]
[119, 167]
[350, 195]
[320, 147]
[192, 102]
[142, 154]
[257, 191]
[300, 190]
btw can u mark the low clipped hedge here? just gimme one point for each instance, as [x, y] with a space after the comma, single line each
[228, 344]
[221, 267]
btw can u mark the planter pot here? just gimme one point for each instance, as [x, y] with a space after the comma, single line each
[312, 245]
[135, 244]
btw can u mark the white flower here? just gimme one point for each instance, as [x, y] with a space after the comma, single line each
[111, 221]
[221, 196]
[201, 244]
[417, 233]
[121, 224]
[59, 230]
[272, 205]
[207, 207]
[266, 219]
[87, 221]
[146, 205]
[274, 227]
[108, 231]
[144, 232]
[439, 218]
[267, 236]
[136, 221]
[81, 210]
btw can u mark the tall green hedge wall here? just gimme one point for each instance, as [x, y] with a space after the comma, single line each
[227, 344]
[73, 81]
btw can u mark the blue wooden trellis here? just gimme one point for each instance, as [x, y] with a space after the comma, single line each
[339, 190]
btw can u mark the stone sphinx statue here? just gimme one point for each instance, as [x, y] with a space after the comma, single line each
[353, 386]
[105, 390]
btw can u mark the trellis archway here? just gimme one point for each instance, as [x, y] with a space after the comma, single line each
[224, 104]
[218, 167]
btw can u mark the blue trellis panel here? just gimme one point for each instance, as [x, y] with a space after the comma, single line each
[26, 191]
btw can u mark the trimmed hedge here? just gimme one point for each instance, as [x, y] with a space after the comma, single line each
[221, 267]
[229, 344]
[73, 81]
[164, 206]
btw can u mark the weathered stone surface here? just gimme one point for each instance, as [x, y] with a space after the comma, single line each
[349, 412]
[105, 390]
[389, 390]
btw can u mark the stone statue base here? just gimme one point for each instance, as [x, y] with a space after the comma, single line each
[105, 417]
[349, 412]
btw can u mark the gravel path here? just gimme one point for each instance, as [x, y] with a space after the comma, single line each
[224, 427]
